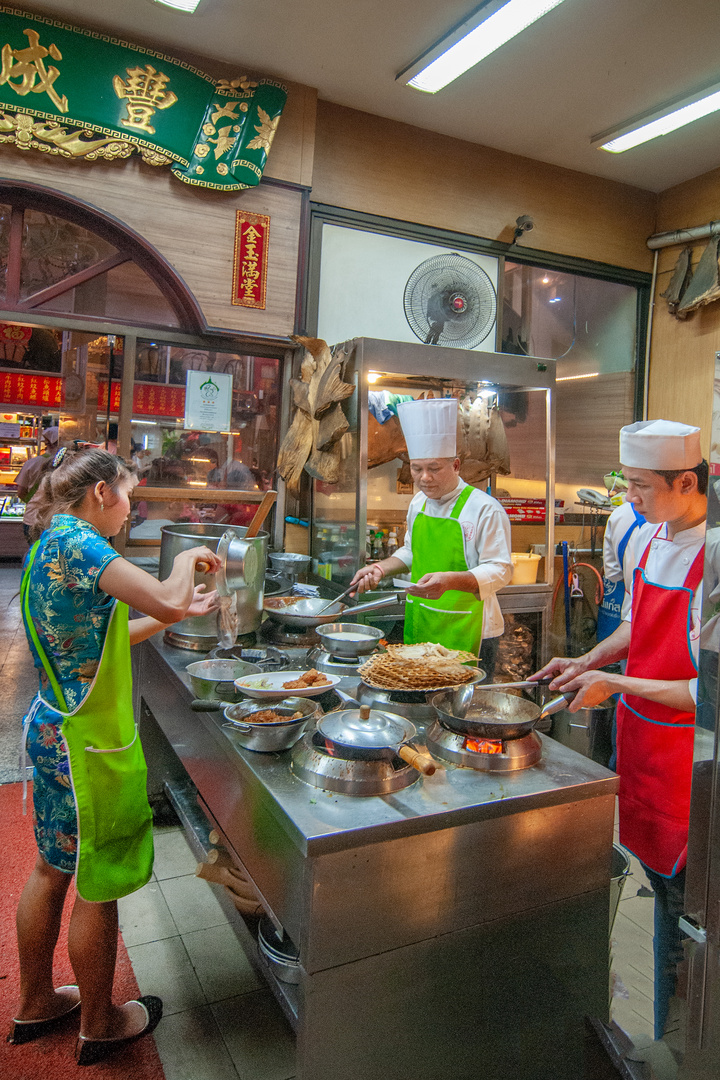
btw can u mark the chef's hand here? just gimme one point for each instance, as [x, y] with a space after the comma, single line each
[432, 585]
[562, 670]
[203, 602]
[593, 687]
[199, 554]
[366, 578]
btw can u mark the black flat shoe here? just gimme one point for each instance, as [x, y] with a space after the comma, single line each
[24, 1031]
[90, 1051]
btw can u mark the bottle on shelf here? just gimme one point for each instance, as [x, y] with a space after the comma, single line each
[392, 544]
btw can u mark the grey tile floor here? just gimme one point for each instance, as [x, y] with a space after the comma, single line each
[219, 1021]
[632, 956]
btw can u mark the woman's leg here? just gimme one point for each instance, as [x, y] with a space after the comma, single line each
[38, 925]
[92, 945]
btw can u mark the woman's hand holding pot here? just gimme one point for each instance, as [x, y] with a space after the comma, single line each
[193, 556]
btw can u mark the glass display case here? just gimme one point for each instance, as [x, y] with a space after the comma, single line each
[361, 517]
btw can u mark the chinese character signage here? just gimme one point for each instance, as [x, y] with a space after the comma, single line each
[29, 388]
[208, 401]
[252, 234]
[82, 94]
[149, 399]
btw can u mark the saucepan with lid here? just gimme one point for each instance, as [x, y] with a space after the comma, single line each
[373, 735]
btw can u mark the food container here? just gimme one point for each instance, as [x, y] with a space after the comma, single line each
[289, 563]
[279, 953]
[525, 568]
[215, 678]
[273, 737]
[349, 639]
[200, 632]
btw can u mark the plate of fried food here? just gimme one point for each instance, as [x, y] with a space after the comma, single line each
[421, 667]
[279, 684]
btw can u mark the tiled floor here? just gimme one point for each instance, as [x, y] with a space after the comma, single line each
[219, 1021]
[632, 956]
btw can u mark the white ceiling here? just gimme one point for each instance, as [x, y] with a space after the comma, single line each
[585, 67]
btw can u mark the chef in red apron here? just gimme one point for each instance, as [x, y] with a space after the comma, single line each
[667, 482]
[457, 544]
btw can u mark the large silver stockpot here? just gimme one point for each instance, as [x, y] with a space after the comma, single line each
[200, 632]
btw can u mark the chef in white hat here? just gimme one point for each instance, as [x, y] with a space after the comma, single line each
[667, 482]
[457, 543]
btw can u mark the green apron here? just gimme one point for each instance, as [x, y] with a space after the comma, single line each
[455, 618]
[107, 767]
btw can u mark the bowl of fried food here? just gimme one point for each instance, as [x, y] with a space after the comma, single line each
[270, 728]
[278, 684]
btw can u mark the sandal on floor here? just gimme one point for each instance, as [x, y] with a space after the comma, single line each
[90, 1051]
[25, 1031]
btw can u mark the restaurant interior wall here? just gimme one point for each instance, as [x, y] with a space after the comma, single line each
[682, 356]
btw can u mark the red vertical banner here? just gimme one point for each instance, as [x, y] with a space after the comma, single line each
[149, 399]
[21, 388]
[252, 239]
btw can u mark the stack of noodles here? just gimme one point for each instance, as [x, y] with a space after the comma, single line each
[425, 666]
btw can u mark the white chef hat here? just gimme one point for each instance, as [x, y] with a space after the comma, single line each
[660, 444]
[429, 427]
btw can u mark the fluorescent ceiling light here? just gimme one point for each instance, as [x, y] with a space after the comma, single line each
[571, 378]
[188, 6]
[489, 27]
[666, 118]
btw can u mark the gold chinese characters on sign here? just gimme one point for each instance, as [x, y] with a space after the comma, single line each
[145, 92]
[28, 66]
[252, 238]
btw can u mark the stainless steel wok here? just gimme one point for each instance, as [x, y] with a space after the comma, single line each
[474, 711]
[302, 615]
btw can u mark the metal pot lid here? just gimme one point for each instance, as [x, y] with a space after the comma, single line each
[366, 728]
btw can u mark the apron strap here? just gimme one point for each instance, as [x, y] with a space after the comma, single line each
[464, 496]
[30, 627]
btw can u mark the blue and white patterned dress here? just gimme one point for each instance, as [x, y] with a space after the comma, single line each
[71, 615]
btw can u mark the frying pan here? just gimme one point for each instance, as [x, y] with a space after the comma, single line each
[473, 711]
[303, 614]
[368, 734]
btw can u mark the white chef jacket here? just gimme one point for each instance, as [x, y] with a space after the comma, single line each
[486, 533]
[620, 520]
[668, 563]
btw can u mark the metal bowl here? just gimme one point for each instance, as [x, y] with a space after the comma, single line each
[270, 738]
[366, 638]
[289, 562]
[214, 679]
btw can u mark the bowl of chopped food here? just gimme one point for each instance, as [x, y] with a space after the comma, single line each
[270, 728]
[278, 684]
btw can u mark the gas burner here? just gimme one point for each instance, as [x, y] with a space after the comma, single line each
[269, 659]
[279, 634]
[322, 660]
[202, 643]
[313, 764]
[485, 755]
[412, 704]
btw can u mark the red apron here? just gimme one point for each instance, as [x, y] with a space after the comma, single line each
[654, 741]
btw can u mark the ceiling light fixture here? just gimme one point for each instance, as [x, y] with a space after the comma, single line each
[188, 6]
[661, 121]
[571, 378]
[490, 26]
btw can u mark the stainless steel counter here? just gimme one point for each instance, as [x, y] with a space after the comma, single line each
[465, 887]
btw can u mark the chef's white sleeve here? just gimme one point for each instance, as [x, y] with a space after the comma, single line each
[494, 567]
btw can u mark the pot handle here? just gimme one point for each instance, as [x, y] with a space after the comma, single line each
[422, 762]
[202, 567]
[208, 705]
[385, 601]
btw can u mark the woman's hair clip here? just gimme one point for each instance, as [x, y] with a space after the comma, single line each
[58, 459]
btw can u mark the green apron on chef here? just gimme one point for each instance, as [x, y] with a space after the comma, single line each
[107, 767]
[455, 618]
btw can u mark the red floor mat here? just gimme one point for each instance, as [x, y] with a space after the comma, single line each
[51, 1058]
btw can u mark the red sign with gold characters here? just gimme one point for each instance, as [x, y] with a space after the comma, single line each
[252, 237]
[29, 388]
[149, 399]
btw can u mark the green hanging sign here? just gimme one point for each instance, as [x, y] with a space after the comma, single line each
[82, 94]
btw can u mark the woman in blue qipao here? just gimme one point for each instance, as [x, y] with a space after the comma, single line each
[91, 815]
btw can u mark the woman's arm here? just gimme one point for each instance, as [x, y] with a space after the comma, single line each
[203, 603]
[165, 601]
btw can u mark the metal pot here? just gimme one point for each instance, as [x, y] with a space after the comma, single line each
[290, 563]
[486, 714]
[200, 632]
[301, 616]
[279, 953]
[371, 735]
[365, 638]
[270, 738]
[213, 679]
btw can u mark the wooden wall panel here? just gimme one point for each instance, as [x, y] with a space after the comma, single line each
[192, 227]
[383, 167]
[682, 358]
[590, 413]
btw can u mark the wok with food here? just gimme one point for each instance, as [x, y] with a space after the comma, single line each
[270, 729]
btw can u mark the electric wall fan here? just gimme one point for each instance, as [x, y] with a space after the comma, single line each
[450, 300]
